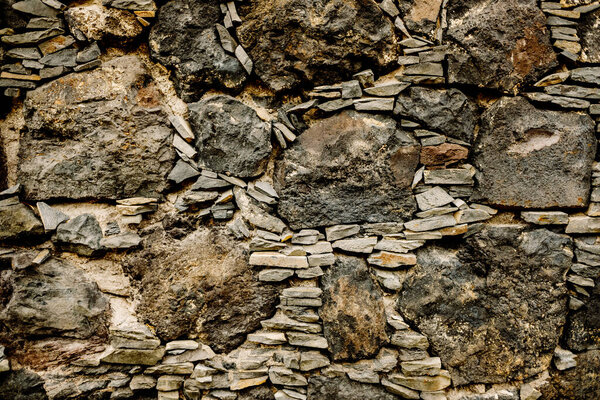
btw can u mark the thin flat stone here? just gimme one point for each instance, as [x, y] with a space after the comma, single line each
[431, 223]
[335, 105]
[180, 144]
[410, 340]
[374, 104]
[244, 59]
[304, 106]
[318, 248]
[53, 72]
[31, 37]
[545, 217]
[45, 23]
[427, 68]
[553, 79]
[450, 176]
[586, 75]
[275, 274]
[309, 273]
[387, 89]
[385, 259]
[227, 41]
[35, 7]
[268, 338]
[87, 66]
[273, 259]
[435, 197]
[583, 224]
[306, 340]
[471, 215]
[337, 232]
[398, 246]
[15, 83]
[358, 245]
[26, 53]
[55, 44]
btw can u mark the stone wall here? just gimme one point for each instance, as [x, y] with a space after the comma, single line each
[299, 199]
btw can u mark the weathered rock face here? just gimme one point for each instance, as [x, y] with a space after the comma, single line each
[212, 294]
[420, 15]
[533, 158]
[185, 39]
[579, 383]
[448, 111]
[352, 312]
[493, 308]
[99, 134]
[590, 42]
[583, 327]
[498, 44]
[22, 385]
[342, 388]
[55, 298]
[352, 167]
[97, 22]
[230, 137]
[322, 41]
[17, 221]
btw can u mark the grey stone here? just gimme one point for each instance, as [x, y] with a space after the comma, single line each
[306, 340]
[341, 388]
[147, 5]
[31, 37]
[544, 156]
[142, 382]
[27, 53]
[17, 221]
[287, 377]
[227, 41]
[45, 23]
[564, 102]
[133, 356]
[338, 181]
[35, 7]
[51, 217]
[430, 223]
[71, 152]
[53, 72]
[243, 58]
[65, 58]
[185, 39]
[351, 90]
[564, 359]
[255, 215]
[500, 269]
[182, 171]
[121, 241]
[470, 215]
[16, 84]
[435, 197]
[304, 45]
[352, 312]
[498, 44]
[374, 104]
[387, 89]
[448, 111]
[586, 75]
[241, 148]
[545, 217]
[54, 298]
[335, 105]
[80, 235]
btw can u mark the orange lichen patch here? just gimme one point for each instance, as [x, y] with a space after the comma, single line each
[392, 260]
[531, 51]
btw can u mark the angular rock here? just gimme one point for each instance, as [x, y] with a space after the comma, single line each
[293, 41]
[230, 137]
[147, 5]
[448, 111]
[275, 259]
[54, 298]
[432, 198]
[255, 215]
[564, 359]
[358, 245]
[443, 155]
[51, 217]
[17, 221]
[81, 235]
[498, 293]
[543, 156]
[498, 44]
[185, 39]
[353, 314]
[174, 275]
[342, 388]
[35, 7]
[121, 241]
[70, 149]
[306, 340]
[96, 22]
[347, 185]
[22, 384]
[430, 223]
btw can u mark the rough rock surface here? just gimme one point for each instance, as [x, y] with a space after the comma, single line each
[99, 134]
[352, 167]
[497, 44]
[581, 382]
[17, 221]
[22, 385]
[583, 327]
[533, 158]
[55, 298]
[420, 15]
[323, 41]
[590, 41]
[492, 309]
[342, 388]
[213, 294]
[352, 311]
[448, 111]
[184, 38]
[230, 137]
[97, 22]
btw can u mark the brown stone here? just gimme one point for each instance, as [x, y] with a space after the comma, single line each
[443, 155]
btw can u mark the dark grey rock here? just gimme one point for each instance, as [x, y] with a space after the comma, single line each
[173, 275]
[55, 298]
[22, 384]
[448, 111]
[497, 44]
[89, 53]
[52, 72]
[533, 158]
[320, 41]
[342, 388]
[51, 217]
[230, 137]
[35, 7]
[27, 53]
[17, 221]
[492, 307]
[185, 39]
[80, 235]
[15, 83]
[146, 5]
[65, 58]
[348, 168]
[182, 171]
[31, 37]
[87, 66]
[352, 312]
[45, 23]
[102, 134]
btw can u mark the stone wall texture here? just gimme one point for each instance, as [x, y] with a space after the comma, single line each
[299, 199]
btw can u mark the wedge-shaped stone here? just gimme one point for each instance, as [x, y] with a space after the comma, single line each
[583, 224]
[429, 366]
[287, 377]
[471, 215]
[435, 197]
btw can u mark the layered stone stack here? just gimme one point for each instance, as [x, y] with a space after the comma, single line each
[299, 200]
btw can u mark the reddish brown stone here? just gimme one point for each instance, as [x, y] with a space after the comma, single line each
[443, 154]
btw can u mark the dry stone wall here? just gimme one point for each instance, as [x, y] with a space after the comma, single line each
[293, 199]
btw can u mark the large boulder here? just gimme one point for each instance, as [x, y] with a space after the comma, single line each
[351, 167]
[55, 298]
[497, 44]
[590, 40]
[99, 134]
[230, 137]
[341, 388]
[448, 111]
[353, 312]
[185, 39]
[533, 158]
[200, 286]
[492, 308]
[321, 41]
